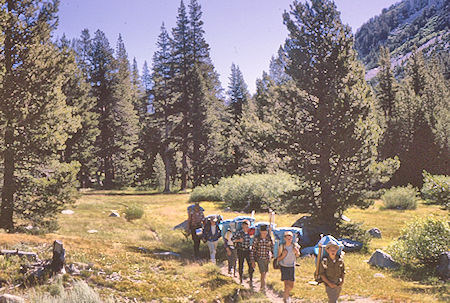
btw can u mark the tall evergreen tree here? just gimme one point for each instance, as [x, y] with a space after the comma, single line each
[101, 78]
[386, 91]
[422, 102]
[328, 129]
[238, 99]
[182, 65]
[125, 120]
[166, 116]
[37, 121]
[81, 145]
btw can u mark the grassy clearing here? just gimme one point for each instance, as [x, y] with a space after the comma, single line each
[124, 249]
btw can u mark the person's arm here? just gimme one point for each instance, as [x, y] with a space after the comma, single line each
[328, 282]
[189, 219]
[343, 273]
[252, 254]
[237, 237]
[296, 250]
[282, 253]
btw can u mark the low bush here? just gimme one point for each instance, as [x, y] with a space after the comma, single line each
[421, 242]
[436, 189]
[133, 212]
[400, 198]
[205, 193]
[249, 192]
[355, 232]
[81, 292]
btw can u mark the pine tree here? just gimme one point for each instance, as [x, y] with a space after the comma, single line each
[125, 120]
[277, 67]
[325, 120]
[423, 100]
[166, 116]
[238, 99]
[386, 91]
[206, 104]
[101, 78]
[37, 121]
[80, 146]
[182, 65]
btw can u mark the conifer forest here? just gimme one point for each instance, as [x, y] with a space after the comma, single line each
[79, 112]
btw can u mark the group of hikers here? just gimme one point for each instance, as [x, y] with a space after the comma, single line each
[258, 250]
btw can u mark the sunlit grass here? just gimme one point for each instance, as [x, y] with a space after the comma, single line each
[126, 247]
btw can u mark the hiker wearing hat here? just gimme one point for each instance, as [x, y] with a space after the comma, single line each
[286, 259]
[332, 272]
[212, 235]
[195, 218]
[261, 252]
[242, 240]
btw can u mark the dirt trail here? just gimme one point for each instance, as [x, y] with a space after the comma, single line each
[275, 297]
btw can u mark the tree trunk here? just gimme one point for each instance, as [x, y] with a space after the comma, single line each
[166, 160]
[8, 190]
[184, 168]
[7, 207]
[109, 173]
[328, 205]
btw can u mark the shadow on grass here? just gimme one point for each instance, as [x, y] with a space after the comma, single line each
[427, 277]
[118, 193]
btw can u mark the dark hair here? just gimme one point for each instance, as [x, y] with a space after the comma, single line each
[246, 222]
[263, 228]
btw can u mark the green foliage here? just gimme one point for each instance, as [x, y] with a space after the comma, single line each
[400, 198]
[436, 189]
[80, 292]
[205, 193]
[354, 231]
[134, 212]
[35, 115]
[250, 192]
[421, 242]
[324, 119]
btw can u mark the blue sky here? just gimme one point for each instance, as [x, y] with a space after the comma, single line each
[246, 32]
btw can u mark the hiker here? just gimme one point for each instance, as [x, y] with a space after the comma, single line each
[242, 240]
[231, 251]
[262, 250]
[212, 234]
[195, 218]
[332, 272]
[286, 259]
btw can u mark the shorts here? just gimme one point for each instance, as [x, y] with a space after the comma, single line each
[287, 273]
[263, 265]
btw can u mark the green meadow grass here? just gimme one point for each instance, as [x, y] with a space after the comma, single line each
[127, 247]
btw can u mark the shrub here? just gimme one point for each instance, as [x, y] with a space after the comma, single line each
[436, 189]
[81, 292]
[205, 193]
[400, 198]
[256, 191]
[250, 191]
[133, 212]
[421, 242]
[354, 231]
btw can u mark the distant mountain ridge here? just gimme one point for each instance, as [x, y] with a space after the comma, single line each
[409, 23]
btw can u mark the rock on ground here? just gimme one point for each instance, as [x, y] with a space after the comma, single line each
[6, 298]
[381, 259]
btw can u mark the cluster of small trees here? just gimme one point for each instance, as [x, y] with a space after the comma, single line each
[76, 113]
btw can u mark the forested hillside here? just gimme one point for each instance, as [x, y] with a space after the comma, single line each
[409, 23]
